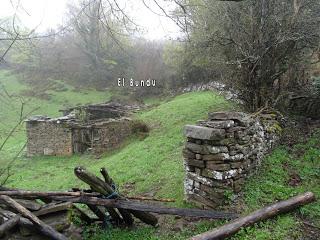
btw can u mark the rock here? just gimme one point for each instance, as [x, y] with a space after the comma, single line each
[217, 149]
[220, 157]
[220, 167]
[221, 175]
[217, 124]
[200, 179]
[188, 154]
[204, 133]
[189, 168]
[195, 148]
[237, 164]
[227, 116]
[195, 163]
[198, 171]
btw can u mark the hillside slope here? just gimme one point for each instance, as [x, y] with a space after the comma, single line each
[153, 166]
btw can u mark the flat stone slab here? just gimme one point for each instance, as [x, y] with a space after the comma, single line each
[204, 133]
[227, 115]
[217, 123]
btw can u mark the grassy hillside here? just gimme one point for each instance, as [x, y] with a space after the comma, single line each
[10, 106]
[153, 166]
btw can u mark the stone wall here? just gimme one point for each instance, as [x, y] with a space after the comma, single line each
[46, 137]
[102, 136]
[221, 152]
[63, 137]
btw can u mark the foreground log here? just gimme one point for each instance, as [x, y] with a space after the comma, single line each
[87, 198]
[38, 194]
[151, 199]
[76, 193]
[231, 228]
[133, 205]
[9, 224]
[41, 226]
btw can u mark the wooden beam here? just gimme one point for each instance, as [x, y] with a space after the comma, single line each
[134, 205]
[41, 226]
[231, 228]
[9, 224]
[90, 198]
[39, 194]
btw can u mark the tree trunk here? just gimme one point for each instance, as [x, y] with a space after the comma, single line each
[229, 229]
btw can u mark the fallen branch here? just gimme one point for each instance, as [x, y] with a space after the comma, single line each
[231, 228]
[41, 226]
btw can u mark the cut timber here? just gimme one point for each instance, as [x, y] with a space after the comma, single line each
[231, 228]
[36, 194]
[29, 204]
[151, 199]
[80, 197]
[134, 205]
[41, 226]
[52, 208]
[9, 224]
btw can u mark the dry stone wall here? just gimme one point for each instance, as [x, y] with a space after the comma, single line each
[46, 137]
[102, 136]
[221, 152]
[63, 137]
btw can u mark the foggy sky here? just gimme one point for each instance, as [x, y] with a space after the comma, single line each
[47, 14]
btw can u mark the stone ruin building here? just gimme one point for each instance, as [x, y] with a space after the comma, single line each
[98, 127]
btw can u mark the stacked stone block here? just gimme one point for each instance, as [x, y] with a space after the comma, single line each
[222, 151]
[47, 137]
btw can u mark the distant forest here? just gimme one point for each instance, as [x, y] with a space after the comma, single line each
[266, 49]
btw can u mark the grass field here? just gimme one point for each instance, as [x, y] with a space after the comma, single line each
[153, 165]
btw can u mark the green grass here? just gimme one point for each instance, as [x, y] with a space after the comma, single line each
[10, 107]
[154, 165]
[151, 164]
[269, 185]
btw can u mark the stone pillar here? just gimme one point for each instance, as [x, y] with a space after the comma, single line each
[222, 151]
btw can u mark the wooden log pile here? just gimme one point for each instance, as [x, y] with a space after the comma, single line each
[28, 214]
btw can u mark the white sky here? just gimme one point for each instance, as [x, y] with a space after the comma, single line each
[50, 13]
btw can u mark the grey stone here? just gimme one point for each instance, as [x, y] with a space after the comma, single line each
[217, 149]
[217, 124]
[216, 166]
[220, 157]
[195, 148]
[188, 154]
[195, 163]
[204, 133]
[227, 116]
